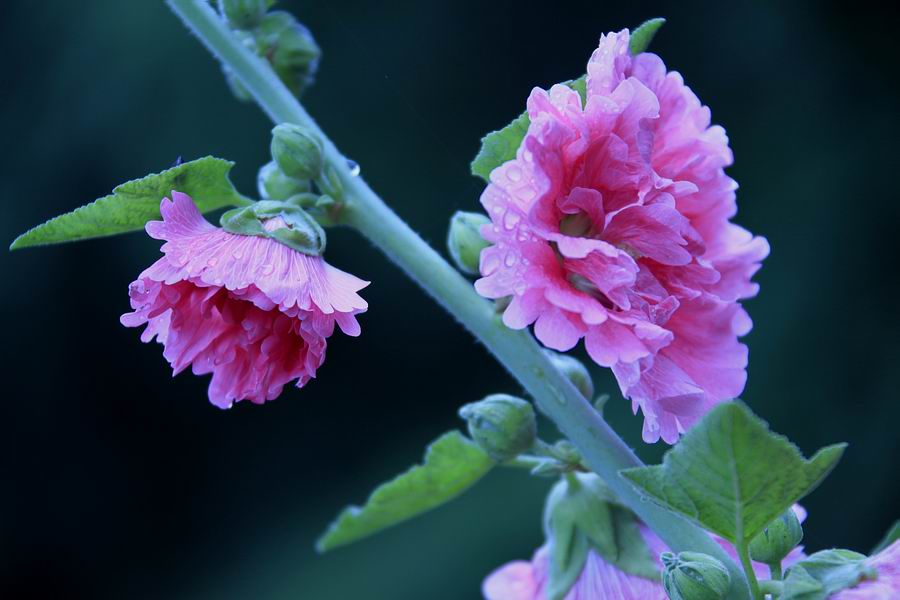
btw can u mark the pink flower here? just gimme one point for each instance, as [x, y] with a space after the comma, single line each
[886, 586]
[251, 311]
[601, 580]
[612, 225]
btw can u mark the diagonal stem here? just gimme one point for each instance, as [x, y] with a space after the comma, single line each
[603, 450]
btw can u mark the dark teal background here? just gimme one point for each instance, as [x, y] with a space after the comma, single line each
[119, 482]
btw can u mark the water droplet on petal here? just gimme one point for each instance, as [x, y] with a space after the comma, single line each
[510, 220]
[267, 269]
[510, 259]
[237, 254]
[514, 173]
[212, 262]
[353, 166]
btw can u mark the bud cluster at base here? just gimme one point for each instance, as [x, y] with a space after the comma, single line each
[277, 37]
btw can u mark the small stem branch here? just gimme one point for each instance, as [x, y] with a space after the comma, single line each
[743, 551]
[524, 461]
[517, 351]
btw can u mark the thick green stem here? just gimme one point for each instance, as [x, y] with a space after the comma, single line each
[602, 449]
[775, 571]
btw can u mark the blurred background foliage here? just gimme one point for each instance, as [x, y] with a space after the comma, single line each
[119, 482]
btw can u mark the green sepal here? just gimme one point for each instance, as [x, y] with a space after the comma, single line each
[569, 549]
[731, 475]
[452, 465]
[582, 505]
[824, 573]
[302, 232]
[501, 146]
[643, 35]
[892, 535]
[135, 202]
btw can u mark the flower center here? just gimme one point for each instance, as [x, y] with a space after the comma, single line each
[577, 225]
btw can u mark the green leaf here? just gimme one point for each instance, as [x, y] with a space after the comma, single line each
[452, 464]
[889, 538]
[643, 35]
[500, 146]
[134, 203]
[824, 573]
[731, 475]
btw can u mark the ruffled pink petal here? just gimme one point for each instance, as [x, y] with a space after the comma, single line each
[612, 224]
[251, 312]
[512, 581]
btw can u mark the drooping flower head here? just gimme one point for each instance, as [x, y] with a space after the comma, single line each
[612, 225]
[885, 586]
[250, 310]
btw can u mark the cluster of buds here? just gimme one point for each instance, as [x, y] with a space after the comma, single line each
[275, 36]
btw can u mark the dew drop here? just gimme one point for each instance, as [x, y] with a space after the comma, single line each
[267, 269]
[510, 259]
[514, 173]
[237, 254]
[510, 220]
[353, 166]
[212, 262]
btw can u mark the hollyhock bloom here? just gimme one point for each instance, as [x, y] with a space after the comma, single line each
[886, 586]
[253, 312]
[601, 580]
[612, 225]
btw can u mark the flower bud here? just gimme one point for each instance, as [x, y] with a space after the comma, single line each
[243, 14]
[273, 184]
[574, 371]
[297, 151]
[464, 240]
[694, 576]
[283, 222]
[504, 426]
[778, 538]
[290, 48]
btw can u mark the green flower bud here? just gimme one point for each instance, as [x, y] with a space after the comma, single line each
[297, 151]
[504, 426]
[243, 14]
[574, 371]
[291, 49]
[464, 240]
[694, 576]
[777, 540]
[273, 184]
